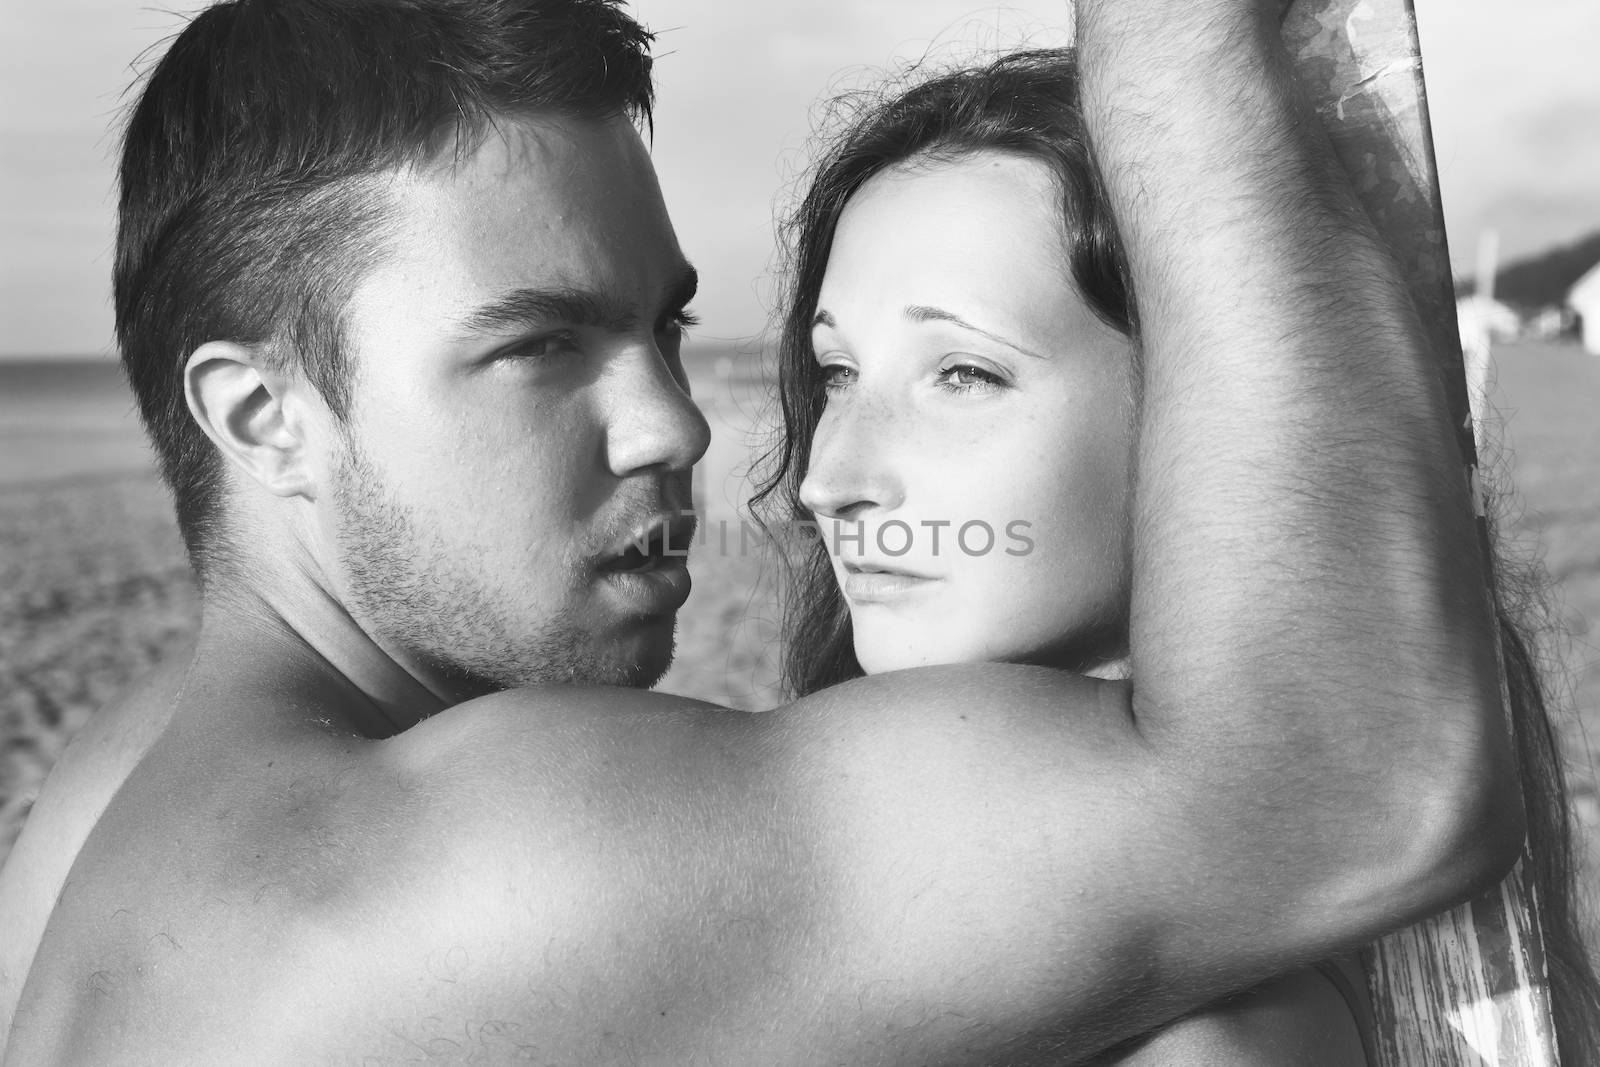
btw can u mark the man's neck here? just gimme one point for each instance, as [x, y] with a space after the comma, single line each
[291, 632]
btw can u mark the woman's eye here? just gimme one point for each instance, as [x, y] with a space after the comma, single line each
[964, 376]
[837, 375]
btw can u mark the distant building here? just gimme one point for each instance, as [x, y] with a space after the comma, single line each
[1584, 299]
[1549, 323]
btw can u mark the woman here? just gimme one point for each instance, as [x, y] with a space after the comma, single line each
[959, 381]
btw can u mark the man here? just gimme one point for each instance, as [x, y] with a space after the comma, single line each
[402, 304]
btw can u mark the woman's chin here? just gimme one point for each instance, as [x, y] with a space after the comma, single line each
[1116, 670]
[880, 657]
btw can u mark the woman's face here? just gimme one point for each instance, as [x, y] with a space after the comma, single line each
[971, 470]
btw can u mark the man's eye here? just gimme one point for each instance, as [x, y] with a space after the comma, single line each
[681, 322]
[547, 346]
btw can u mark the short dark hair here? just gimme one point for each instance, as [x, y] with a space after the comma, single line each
[247, 206]
[1024, 103]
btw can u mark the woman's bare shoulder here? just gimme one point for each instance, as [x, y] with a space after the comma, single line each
[1304, 1018]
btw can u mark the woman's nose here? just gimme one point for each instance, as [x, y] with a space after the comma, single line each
[851, 468]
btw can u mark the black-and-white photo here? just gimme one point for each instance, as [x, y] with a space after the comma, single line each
[586, 532]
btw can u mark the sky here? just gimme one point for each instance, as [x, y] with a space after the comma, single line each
[1515, 101]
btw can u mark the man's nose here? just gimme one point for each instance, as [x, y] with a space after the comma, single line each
[654, 423]
[852, 469]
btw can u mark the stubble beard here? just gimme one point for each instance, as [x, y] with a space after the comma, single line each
[406, 588]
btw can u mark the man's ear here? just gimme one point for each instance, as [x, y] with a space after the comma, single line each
[252, 415]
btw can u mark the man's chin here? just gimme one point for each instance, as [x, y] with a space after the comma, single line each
[644, 655]
[633, 655]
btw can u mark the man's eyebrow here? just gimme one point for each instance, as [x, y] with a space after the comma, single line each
[531, 307]
[923, 313]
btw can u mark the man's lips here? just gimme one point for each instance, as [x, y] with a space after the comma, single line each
[646, 575]
[665, 536]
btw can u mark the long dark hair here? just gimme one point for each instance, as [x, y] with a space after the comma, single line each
[1027, 103]
[1024, 103]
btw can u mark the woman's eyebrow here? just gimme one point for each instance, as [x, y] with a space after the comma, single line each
[924, 313]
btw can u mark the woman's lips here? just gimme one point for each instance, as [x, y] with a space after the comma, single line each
[870, 583]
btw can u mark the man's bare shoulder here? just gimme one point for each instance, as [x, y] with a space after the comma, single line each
[199, 826]
[98, 759]
[286, 807]
[560, 867]
[80, 786]
[535, 770]
[574, 752]
[570, 864]
[927, 702]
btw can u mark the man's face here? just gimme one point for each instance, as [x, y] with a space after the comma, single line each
[520, 417]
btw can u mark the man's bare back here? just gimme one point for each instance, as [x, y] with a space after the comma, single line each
[338, 846]
[1292, 1019]
[76, 794]
[286, 850]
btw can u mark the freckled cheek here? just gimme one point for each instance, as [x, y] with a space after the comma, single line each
[1059, 529]
[958, 469]
[995, 477]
